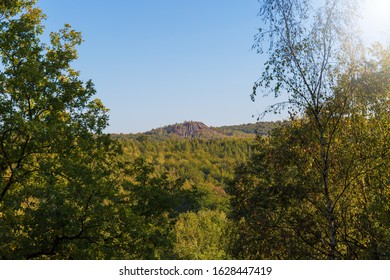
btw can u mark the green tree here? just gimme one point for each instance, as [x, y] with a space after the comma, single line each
[365, 149]
[311, 48]
[309, 190]
[55, 163]
[277, 201]
[147, 208]
[202, 236]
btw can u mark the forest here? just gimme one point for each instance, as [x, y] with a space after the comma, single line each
[316, 186]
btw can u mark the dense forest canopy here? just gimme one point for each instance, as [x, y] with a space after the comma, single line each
[338, 100]
[315, 186]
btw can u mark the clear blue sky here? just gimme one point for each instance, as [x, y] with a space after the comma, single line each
[158, 62]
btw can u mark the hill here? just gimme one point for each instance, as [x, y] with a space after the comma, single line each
[259, 128]
[189, 130]
[199, 130]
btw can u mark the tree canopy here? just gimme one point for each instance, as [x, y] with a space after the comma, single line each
[313, 187]
[307, 182]
[55, 161]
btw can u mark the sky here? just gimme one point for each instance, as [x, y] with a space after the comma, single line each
[159, 62]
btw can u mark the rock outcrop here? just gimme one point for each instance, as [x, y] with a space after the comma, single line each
[188, 129]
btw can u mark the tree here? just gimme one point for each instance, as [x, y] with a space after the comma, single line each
[146, 209]
[55, 162]
[202, 235]
[315, 60]
[277, 199]
[366, 139]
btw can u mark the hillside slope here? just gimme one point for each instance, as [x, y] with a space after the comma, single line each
[199, 130]
[190, 129]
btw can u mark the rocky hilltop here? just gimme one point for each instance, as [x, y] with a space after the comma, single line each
[198, 130]
[188, 129]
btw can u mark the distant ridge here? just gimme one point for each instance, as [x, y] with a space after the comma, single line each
[188, 129]
[199, 130]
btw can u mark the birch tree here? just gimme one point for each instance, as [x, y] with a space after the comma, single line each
[310, 49]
